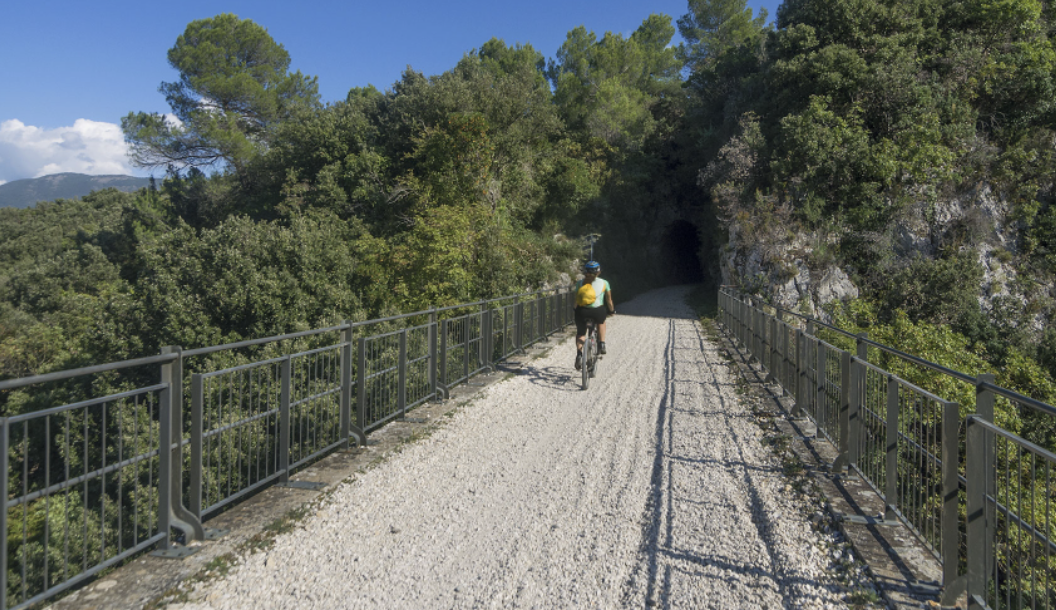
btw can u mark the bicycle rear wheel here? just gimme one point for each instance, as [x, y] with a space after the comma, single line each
[588, 353]
[595, 354]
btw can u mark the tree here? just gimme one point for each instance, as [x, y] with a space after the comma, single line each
[233, 88]
[608, 88]
[713, 27]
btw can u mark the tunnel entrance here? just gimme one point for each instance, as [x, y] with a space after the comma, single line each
[680, 253]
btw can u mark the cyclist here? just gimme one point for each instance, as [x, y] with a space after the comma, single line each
[586, 308]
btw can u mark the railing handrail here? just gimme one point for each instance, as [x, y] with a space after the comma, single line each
[880, 346]
[1002, 391]
[19, 382]
[10, 384]
[251, 342]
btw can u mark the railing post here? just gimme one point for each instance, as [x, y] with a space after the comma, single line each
[542, 318]
[549, 308]
[854, 411]
[780, 340]
[179, 517]
[753, 336]
[555, 322]
[284, 420]
[843, 460]
[505, 331]
[345, 406]
[465, 348]
[164, 459]
[760, 336]
[786, 358]
[443, 356]
[951, 544]
[518, 321]
[433, 360]
[984, 408]
[787, 363]
[401, 388]
[859, 378]
[742, 323]
[526, 324]
[5, 439]
[738, 319]
[485, 341]
[361, 386]
[482, 346]
[978, 532]
[769, 349]
[862, 347]
[891, 446]
[753, 317]
[779, 355]
[821, 405]
[530, 325]
[488, 339]
[197, 440]
[540, 312]
[801, 375]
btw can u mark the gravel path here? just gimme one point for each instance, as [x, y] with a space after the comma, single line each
[651, 488]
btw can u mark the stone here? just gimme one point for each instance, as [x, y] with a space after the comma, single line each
[835, 285]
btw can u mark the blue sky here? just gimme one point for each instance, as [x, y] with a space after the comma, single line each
[70, 70]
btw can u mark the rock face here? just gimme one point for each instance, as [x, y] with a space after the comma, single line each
[980, 222]
[785, 272]
[793, 269]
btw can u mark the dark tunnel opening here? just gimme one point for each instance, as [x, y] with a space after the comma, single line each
[681, 253]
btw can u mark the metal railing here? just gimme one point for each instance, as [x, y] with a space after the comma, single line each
[96, 480]
[981, 498]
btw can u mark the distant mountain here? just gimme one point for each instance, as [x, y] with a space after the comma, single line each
[26, 193]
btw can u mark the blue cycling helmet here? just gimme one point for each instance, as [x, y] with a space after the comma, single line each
[592, 267]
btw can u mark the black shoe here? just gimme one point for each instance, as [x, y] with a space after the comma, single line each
[579, 360]
[601, 347]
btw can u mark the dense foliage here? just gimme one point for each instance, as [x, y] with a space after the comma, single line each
[850, 121]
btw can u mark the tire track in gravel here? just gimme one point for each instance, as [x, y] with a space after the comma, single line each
[539, 495]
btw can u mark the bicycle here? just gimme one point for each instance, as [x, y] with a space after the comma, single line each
[590, 353]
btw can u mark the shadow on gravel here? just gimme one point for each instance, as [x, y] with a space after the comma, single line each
[552, 377]
[666, 553]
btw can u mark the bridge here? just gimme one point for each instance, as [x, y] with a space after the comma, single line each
[655, 487]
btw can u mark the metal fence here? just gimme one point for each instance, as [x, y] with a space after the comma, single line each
[981, 498]
[92, 482]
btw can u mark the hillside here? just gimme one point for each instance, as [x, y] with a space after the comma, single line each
[25, 193]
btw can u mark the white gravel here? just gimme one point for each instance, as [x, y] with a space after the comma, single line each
[651, 488]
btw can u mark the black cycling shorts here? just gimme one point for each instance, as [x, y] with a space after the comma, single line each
[583, 313]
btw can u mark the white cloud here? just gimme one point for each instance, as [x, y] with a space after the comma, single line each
[173, 120]
[87, 147]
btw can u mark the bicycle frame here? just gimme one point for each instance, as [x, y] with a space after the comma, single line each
[590, 353]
